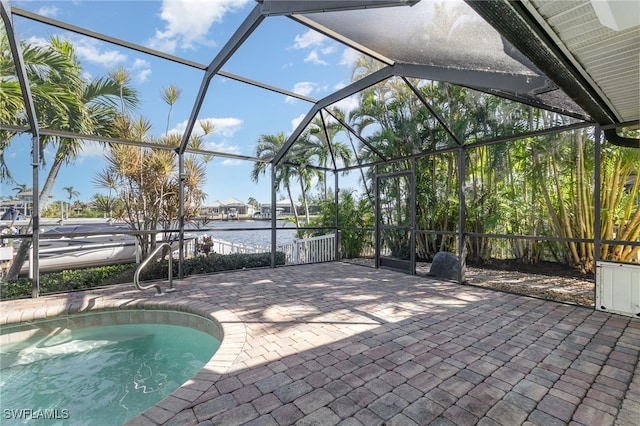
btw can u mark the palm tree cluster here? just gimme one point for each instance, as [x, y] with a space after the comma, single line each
[531, 186]
[314, 153]
[65, 100]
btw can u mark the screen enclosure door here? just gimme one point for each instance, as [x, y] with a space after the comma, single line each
[396, 221]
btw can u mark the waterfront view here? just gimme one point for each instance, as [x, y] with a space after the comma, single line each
[228, 231]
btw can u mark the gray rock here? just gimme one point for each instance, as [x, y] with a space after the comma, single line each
[445, 265]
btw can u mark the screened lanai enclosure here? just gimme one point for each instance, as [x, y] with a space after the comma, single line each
[491, 130]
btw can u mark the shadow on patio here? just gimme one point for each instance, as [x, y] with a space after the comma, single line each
[343, 344]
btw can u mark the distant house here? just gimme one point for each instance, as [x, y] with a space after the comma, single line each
[211, 210]
[229, 207]
[283, 208]
[22, 204]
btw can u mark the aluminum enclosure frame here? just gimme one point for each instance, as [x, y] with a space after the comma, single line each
[508, 85]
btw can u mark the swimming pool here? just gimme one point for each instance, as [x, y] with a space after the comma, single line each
[100, 374]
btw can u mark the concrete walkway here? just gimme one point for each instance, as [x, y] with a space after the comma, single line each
[335, 343]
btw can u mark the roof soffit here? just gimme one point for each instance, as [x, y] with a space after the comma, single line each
[605, 53]
[515, 22]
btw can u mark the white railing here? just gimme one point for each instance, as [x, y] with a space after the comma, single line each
[226, 247]
[304, 250]
[310, 250]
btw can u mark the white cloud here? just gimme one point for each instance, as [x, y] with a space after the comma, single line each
[140, 64]
[225, 127]
[303, 88]
[90, 50]
[309, 39]
[227, 149]
[317, 44]
[142, 69]
[323, 89]
[92, 149]
[37, 41]
[142, 75]
[49, 11]
[222, 147]
[187, 22]
[347, 105]
[327, 50]
[296, 122]
[349, 57]
[314, 58]
[232, 162]
[162, 44]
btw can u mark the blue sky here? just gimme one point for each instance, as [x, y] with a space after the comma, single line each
[281, 53]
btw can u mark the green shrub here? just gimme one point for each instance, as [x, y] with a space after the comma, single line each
[354, 218]
[78, 279]
[213, 262]
[18, 288]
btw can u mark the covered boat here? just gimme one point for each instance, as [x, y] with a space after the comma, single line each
[106, 245]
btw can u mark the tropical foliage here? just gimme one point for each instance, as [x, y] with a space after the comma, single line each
[143, 182]
[531, 187]
[354, 218]
[64, 100]
[267, 148]
[147, 181]
[542, 186]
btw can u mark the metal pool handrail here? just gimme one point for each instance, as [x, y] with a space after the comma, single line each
[136, 277]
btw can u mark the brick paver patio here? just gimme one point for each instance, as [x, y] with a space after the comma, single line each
[335, 343]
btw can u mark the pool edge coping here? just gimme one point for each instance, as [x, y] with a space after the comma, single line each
[233, 331]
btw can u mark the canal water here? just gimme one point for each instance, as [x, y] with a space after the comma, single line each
[231, 231]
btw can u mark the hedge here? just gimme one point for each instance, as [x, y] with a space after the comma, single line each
[79, 279]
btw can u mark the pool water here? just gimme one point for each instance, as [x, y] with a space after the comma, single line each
[99, 375]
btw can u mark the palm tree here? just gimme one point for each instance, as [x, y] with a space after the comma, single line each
[41, 62]
[254, 203]
[21, 187]
[105, 202]
[71, 104]
[122, 77]
[342, 116]
[322, 145]
[196, 141]
[267, 148]
[71, 194]
[170, 94]
[147, 182]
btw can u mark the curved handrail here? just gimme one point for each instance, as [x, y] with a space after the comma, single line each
[136, 276]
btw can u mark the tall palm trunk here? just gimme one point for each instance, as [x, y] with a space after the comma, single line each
[303, 190]
[293, 206]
